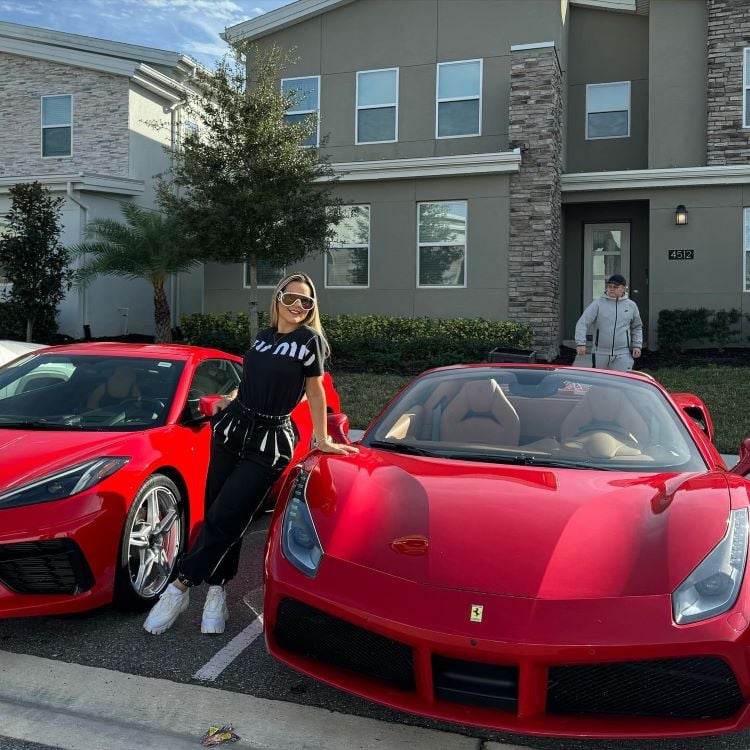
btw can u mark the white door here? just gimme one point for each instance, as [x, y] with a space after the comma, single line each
[606, 250]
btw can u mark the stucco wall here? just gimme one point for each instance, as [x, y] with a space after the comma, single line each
[607, 48]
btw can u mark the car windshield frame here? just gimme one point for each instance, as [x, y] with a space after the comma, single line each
[545, 416]
[88, 392]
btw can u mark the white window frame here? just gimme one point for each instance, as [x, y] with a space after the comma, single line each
[358, 107]
[246, 274]
[336, 245]
[439, 101]
[44, 127]
[745, 86]
[315, 111]
[446, 244]
[746, 248]
[588, 111]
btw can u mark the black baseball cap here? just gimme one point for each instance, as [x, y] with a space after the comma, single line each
[618, 279]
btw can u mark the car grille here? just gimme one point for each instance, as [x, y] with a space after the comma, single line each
[53, 566]
[317, 635]
[475, 684]
[701, 687]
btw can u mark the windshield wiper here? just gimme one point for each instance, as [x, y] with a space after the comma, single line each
[523, 459]
[37, 424]
[413, 450]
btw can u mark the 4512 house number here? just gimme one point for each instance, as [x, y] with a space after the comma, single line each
[680, 254]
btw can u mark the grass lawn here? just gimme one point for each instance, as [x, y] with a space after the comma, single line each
[725, 390]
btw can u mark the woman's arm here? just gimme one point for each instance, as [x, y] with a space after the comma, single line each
[316, 397]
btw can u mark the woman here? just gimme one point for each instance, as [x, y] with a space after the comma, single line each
[252, 443]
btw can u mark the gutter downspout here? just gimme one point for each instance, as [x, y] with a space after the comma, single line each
[83, 293]
[174, 142]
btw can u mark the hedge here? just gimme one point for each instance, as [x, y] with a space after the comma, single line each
[377, 342]
[676, 328]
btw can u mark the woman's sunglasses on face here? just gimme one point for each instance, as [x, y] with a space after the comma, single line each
[288, 299]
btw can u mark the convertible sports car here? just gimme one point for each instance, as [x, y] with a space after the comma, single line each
[542, 549]
[104, 457]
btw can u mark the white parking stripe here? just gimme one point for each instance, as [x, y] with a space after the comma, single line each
[212, 669]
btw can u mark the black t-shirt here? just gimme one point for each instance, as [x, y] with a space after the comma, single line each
[275, 368]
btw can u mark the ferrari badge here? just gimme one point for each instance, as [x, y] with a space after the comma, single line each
[476, 613]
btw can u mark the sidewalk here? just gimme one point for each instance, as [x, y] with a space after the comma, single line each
[71, 707]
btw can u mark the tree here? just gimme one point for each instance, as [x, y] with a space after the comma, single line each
[244, 187]
[147, 246]
[34, 261]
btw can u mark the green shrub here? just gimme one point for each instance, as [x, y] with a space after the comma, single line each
[13, 323]
[376, 342]
[676, 328]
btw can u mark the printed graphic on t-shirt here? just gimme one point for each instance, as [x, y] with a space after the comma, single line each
[288, 349]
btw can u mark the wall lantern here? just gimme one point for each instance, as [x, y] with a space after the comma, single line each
[680, 215]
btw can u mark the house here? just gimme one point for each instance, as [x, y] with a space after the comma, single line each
[75, 116]
[508, 155]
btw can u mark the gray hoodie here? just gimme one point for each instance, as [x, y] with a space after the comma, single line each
[617, 325]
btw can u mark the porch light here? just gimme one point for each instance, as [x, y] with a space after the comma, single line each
[680, 215]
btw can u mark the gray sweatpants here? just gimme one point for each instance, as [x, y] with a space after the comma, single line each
[620, 360]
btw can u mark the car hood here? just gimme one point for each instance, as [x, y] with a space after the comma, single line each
[28, 454]
[514, 530]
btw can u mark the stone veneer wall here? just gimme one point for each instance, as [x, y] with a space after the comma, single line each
[728, 35]
[100, 118]
[535, 235]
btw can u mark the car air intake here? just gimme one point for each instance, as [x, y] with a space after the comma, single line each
[475, 684]
[317, 635]
[700, 687]
[52, 566]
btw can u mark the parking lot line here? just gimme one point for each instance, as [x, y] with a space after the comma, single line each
[222, 659]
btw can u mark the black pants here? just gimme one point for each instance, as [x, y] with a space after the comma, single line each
[248, 454]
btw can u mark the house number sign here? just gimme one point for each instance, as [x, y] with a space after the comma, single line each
[681, 254]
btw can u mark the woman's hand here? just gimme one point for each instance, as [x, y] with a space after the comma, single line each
[326, 446]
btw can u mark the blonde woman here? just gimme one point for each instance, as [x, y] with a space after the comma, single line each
[252, 443]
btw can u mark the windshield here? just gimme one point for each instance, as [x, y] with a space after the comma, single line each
[538, 416]
[87, 392]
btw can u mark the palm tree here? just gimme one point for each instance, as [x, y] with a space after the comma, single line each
[147, 246]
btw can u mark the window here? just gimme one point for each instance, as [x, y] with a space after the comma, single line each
[348, 256]
[306, 103]
[377, 106]
[746, 252]
[441, 240]
[746, 89]
[268, 273]
[57, 125]
[608, 110]
[213, 377]
[459, 99]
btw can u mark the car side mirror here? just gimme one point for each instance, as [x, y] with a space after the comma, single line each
[697, 411]
[338, 428]
[207, 405]
[742, 467]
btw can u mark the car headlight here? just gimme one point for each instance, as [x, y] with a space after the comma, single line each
[299, 539]
[713, 587]
[63, 483]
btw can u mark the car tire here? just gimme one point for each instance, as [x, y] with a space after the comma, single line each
[153, 538]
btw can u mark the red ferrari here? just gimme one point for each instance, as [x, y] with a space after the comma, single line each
[541, 549]
[104, 458]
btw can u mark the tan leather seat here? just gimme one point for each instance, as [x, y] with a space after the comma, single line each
[606, 410]
[120, 386]
[480, 413]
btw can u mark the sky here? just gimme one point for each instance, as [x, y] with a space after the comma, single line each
[191, 27]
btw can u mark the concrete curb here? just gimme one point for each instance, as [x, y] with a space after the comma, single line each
[73, 707]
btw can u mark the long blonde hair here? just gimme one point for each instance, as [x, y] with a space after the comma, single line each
[312, 319]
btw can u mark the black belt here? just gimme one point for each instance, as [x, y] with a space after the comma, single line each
[269, 420]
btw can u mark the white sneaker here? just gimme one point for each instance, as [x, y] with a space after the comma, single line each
[164, 613]
[215, 612]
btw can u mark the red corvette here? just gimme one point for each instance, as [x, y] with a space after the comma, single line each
[541, 549]
[104, 456]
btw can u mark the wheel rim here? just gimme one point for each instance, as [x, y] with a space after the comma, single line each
[154, 541]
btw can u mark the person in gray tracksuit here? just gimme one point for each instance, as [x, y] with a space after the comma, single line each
[618, 329]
